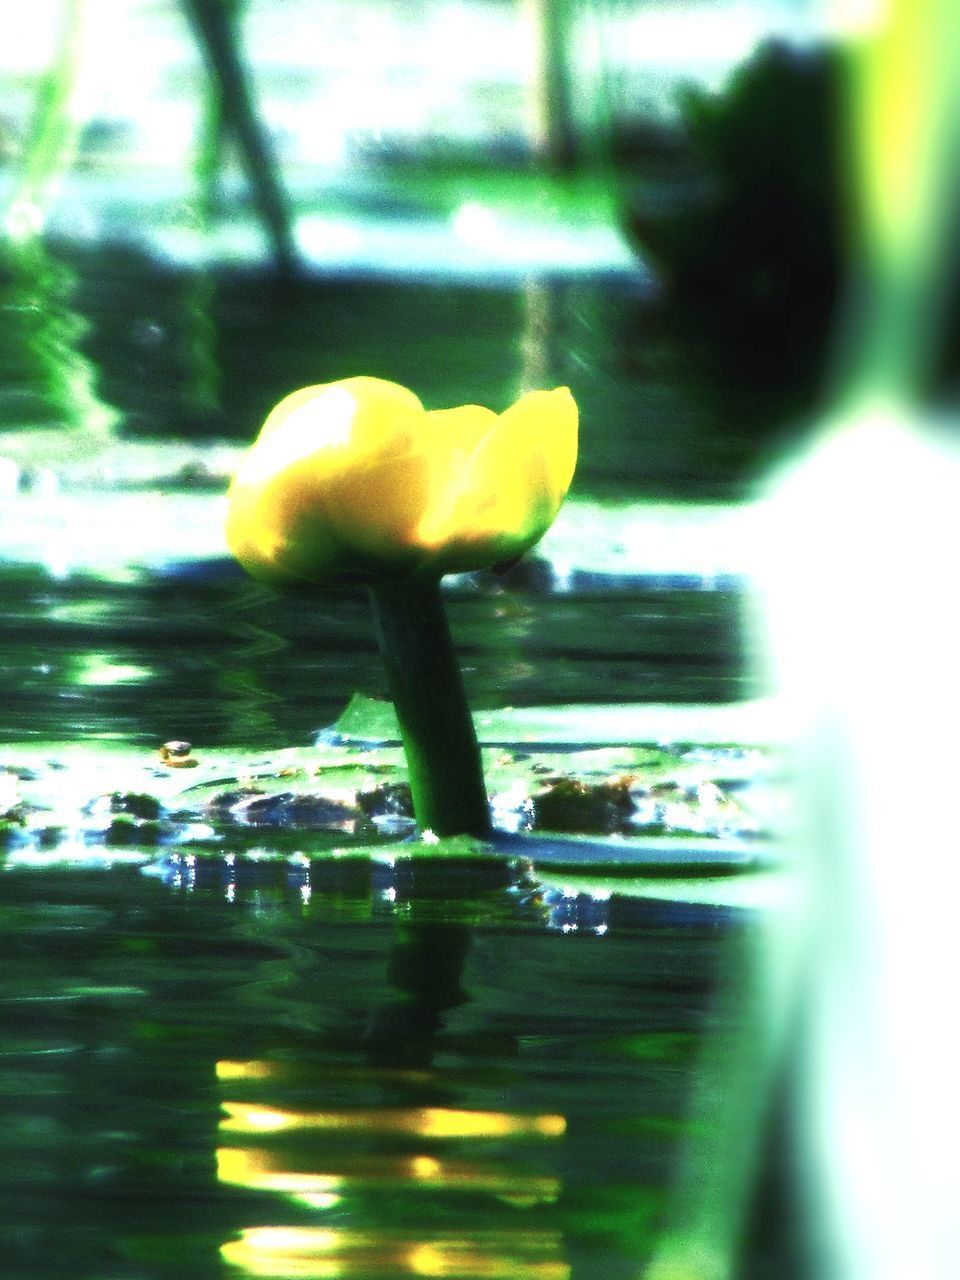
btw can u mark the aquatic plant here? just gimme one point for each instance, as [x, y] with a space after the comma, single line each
[231, 108]
[52, 136]
[354, 481]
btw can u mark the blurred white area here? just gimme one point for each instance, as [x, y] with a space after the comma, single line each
[864, 619]
[864, 615]
[353, 90]
[338, 78]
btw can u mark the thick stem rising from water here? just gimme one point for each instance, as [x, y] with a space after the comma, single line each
[446, 775]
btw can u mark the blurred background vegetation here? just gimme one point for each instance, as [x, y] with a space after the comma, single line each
[209, 201]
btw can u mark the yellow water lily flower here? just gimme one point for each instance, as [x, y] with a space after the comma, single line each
[355, 480]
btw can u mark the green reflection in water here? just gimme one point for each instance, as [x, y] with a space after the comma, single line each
[47, 379]
[202, 382]
[254, 712]
[231, 663]
[52, 134]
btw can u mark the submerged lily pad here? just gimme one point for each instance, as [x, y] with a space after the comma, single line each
[666, 813]
[759, 722]
[754, 890]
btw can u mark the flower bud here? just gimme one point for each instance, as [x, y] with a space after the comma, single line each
[355, 481]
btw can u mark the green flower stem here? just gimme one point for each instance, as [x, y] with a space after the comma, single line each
[443, 758]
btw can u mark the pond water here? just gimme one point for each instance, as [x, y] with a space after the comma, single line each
[444, 1077]
[361, 1068]
[221, 661]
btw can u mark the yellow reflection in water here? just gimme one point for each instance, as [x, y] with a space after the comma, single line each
[329, 1162]
[256, 1069]
[322, 1252]
[244, 1167]
[265, 1069]
[424, 1122]
[264, 1170]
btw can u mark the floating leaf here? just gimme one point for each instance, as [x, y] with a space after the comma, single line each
[757, 722]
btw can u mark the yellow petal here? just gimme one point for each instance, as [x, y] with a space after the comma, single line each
[279, 533]
[282, 513]
[376, 509]
[450, 438]
[545, 424]
[511, 487]
[355, 479]
[358, 415]
[459, 431]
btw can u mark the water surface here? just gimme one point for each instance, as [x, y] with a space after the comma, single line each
[347, 1076]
